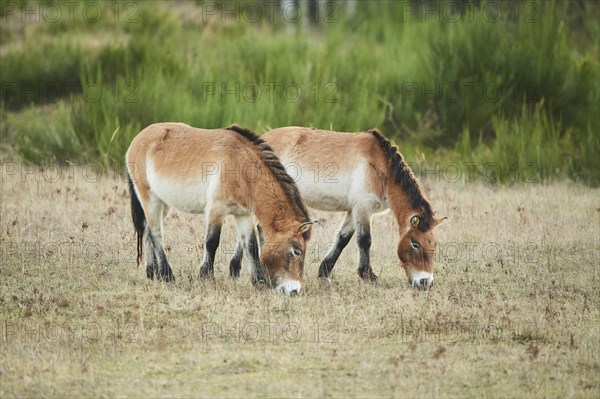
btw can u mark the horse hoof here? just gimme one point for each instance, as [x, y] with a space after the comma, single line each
[168, 277]
[325, 281]
[259, 282]
[368, 277]
[206, 274]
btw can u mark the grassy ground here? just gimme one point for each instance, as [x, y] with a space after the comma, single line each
[514, 311]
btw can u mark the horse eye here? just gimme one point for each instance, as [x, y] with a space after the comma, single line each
[295, 252]
[415, 245]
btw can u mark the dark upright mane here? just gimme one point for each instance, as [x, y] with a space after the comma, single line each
[404, 176]
[272, 162]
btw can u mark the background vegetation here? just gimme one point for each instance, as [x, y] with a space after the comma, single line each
[515, 84]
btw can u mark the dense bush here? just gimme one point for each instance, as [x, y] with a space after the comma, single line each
[517, 89]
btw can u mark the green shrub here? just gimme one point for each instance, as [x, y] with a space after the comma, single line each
[41, 73]
[529, 148]
[46, 135]
[369, 70]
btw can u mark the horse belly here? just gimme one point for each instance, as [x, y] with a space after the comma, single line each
[342, 191]
[327, 194]
[187, 196]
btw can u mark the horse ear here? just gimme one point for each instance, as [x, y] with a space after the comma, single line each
[414, 222]
[437, 221]
[304, 227]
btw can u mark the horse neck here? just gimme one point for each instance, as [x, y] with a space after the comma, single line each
[399, 204]
[271, 205]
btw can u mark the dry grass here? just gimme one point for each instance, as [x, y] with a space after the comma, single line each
[514, 312]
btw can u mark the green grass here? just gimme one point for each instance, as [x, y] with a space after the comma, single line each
[375, 69]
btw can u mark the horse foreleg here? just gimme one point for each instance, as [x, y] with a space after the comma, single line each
[256, 270]
[244, 229]
[235, 265]
[261, 236]
[363, 229]
[211, 243]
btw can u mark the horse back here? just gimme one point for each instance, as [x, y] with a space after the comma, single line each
[333, 170]
[184, 165]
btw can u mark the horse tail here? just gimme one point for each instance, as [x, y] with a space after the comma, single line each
[138, 217]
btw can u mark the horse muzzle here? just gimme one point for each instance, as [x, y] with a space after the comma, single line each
[288, 287]
[422, 280]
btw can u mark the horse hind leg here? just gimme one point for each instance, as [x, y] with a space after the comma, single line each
[151, 261]
[343, 236]
[156, 264]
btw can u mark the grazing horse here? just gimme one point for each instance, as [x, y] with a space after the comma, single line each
[218, 172]
[361, 174]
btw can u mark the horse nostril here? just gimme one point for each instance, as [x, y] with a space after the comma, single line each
[293, 292]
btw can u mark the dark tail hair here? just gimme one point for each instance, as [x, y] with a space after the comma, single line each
[139, 219]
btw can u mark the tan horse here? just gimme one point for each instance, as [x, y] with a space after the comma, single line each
[361, 174]
[218, 172]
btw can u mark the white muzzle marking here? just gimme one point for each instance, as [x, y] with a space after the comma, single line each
[422, 280]
[289, 287]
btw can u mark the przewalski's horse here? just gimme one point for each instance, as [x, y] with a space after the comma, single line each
[362, 174]
[218, 172]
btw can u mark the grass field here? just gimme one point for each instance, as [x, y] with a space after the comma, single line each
[515, 310]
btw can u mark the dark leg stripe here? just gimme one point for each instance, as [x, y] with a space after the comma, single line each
[211, 244]
[163, 269]
[332, 257]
